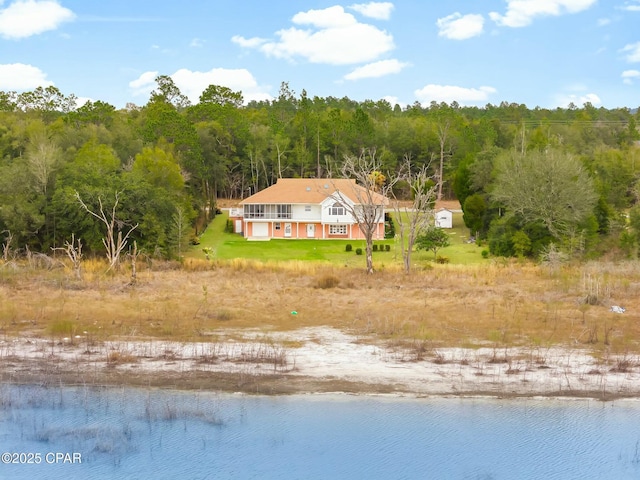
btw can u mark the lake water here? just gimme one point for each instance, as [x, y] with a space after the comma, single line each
[135, 433]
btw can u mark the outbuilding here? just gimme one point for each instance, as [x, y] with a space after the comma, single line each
[444, 218]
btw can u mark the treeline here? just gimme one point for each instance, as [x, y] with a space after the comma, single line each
[168, 161]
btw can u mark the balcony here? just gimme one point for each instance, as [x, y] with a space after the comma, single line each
[268, 216]
[267, 212]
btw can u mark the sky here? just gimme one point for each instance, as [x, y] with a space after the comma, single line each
[541, 53]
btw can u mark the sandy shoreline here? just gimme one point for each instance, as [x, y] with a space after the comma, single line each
[320, 360]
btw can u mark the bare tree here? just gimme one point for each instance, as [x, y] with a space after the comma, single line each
[6, 246]
[114, 241]
[281, 143]
[180, 229]
[370, 193]
[415, 218]
[43, 157]
[133, 255]
[73, 249]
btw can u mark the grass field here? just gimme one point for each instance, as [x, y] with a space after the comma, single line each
[226, 246]
[500, 304]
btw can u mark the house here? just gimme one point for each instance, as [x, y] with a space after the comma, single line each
[307, 208]
[444, 218]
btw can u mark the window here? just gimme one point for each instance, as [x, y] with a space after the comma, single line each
[267, 211]
[336, 209]
[307, 208]
[283, 211]
[254, 211]
[337, 229]
[277, 225]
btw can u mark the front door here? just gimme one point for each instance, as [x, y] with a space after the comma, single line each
[311, 230]
[287, 230]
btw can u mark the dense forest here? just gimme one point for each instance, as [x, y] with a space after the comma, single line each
[526, 178]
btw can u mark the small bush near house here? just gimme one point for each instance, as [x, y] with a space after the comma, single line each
[228, 228]
[348, 247]
[485, 253]
[389, 226]
[358, 251]
[375, 247]
[387, 248]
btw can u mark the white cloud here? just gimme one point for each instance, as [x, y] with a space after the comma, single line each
[449, 93]
[603, 22]
[377, 10]
[192, 84]
[332, 17]
[334, 37]
[521, 13]
[633, 52]
[248, 42]
[631, 6]
[460, 27]
[196, 43]
[81, 101]
[563, 100]
[24, 18]
[21, 77]
[144, 84]
[393, 101]
[376, 69]
[628, 76]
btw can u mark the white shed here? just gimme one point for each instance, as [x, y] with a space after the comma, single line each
[444, 218]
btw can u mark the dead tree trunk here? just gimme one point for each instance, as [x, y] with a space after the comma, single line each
[114, 241]
[73, 250]
[414, 219]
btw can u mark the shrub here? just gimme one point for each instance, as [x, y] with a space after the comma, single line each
[433, 239]
[358, 251]
[223, 315]
[375, 247]
[441, 259]
[348, 247]
[228, 228]
[327, 281]
[387, 248]
[389, 226]
[485, 253]
[116, 357]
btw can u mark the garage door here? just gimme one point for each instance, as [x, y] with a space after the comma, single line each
[260, 230]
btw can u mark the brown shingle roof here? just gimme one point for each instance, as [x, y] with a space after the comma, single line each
[311, 191]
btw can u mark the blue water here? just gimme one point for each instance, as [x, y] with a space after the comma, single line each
[130, 433]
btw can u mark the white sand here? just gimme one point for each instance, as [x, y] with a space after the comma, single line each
[329, 354]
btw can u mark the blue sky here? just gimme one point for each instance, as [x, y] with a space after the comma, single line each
[544, 53]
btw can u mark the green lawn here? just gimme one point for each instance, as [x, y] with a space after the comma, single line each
[230, 245]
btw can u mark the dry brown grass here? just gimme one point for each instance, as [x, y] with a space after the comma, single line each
[501, 305]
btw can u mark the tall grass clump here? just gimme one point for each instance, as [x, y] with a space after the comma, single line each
[327, 281]
[63, 328]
